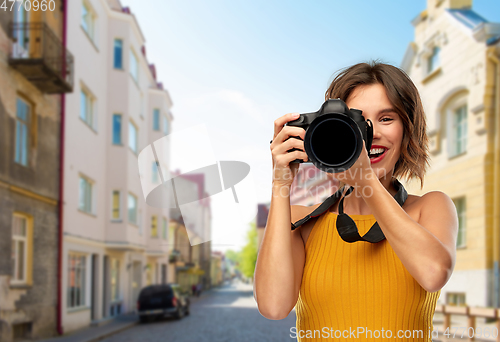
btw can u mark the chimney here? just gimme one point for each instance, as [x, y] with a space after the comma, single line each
[449, 4]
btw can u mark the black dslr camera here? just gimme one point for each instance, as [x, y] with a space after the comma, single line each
[334, 136]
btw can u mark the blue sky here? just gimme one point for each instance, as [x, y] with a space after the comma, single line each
[236, 65]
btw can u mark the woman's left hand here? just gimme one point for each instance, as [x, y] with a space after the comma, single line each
[360, 173]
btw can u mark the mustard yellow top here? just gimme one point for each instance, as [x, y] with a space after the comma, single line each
[359, 287]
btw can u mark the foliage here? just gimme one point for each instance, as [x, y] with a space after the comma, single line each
[248, 254]
[233, 256]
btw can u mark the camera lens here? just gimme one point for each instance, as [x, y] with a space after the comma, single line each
[333, 142]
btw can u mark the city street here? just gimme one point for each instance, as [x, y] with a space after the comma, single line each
[228, 313]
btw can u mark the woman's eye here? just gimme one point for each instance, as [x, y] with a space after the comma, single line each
[386, 119]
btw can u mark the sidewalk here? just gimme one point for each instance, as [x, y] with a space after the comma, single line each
[106, 329]
[96, 333]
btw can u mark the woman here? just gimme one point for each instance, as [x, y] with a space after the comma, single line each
[389, 287]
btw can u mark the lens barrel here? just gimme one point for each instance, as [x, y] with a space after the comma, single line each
[333, 142]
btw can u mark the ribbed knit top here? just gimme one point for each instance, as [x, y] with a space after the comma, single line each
[350, 285]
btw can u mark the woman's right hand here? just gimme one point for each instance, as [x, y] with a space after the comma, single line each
[283, 141]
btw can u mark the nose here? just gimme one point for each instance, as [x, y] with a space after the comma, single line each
[376, 131]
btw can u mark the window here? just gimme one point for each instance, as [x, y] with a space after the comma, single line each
[117, 129]
[165, 125]
[132, 209]
[155, 173]
[87, 108]
[154, 226]
[118, 54]
[164, 235]
[116, 205]
[20, 45]
[455, 299]
[433, 60]
[115, 277]
[458, 137]
[22, 122]
[85, 195]
[76, 280]
[156, 119]
[20, 247]
[461, 212]
[88, 20]
[132, 137]
[134, 66]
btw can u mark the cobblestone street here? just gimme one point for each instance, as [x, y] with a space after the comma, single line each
[228, 313]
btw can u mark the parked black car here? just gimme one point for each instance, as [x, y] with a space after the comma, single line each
[162, 300]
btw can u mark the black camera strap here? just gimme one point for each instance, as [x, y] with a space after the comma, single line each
[346, 227]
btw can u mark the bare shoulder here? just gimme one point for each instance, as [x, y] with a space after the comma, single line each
[433, 200]
[436, 206]
[298, 212]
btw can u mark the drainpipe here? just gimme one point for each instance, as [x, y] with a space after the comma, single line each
[60, 330]
[496, 182]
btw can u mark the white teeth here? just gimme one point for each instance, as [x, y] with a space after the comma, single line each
[377, 150]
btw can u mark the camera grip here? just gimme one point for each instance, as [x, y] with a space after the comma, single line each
[295, 149]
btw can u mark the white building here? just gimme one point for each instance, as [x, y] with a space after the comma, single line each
[114, 243]
[454, 62]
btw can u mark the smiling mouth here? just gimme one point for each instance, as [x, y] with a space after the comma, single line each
[377, 152]
[376, 157]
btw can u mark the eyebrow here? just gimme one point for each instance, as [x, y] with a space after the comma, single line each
[387, 110]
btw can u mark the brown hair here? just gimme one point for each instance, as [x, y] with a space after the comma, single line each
[404, 96]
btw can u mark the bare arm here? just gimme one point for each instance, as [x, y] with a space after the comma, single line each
[426, 247]
[278, 272]
[280, 262]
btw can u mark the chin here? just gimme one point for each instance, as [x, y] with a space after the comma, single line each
[382, 172]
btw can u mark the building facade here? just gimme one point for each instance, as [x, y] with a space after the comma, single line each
[114, 244]
[190, 257]
[35, 70]
[454, 63]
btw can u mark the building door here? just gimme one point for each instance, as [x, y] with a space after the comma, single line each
[94, 277]
[105, 286]
[136, 282]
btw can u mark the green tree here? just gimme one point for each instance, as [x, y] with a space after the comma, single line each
[233, 256]
[248, 254]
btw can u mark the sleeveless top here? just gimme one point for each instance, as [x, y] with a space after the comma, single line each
[350, 289]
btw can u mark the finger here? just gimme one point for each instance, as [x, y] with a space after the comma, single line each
[288, 145]
[287, 132]
[283, 160]
[281, 121]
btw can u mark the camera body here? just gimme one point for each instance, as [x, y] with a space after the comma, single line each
[334, 135]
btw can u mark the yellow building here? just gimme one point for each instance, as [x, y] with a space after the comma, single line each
[454, 63]
[36, 73]
[216, 268]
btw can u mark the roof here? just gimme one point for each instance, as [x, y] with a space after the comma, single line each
[477, 24]
[467, 17]
[493, 40]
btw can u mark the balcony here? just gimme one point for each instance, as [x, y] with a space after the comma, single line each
[174, 256]
[39, 56]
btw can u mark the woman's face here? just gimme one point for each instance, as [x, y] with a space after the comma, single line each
[387, 126]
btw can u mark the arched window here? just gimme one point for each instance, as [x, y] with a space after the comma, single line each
[456, 119]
